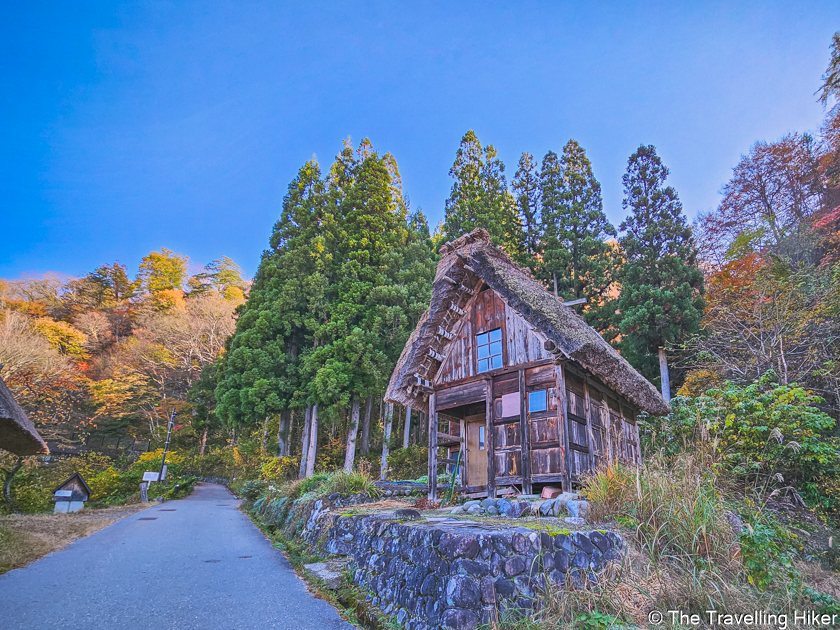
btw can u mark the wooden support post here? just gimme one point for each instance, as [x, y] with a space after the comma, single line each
[608, 429]
[562, 403]
[526, 435]
[433, 431]
[638, 443]
[490, 441]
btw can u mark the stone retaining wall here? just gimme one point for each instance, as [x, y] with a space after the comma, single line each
[455, 574]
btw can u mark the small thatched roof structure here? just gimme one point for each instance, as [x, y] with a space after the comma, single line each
[17, 433]
[471, 259]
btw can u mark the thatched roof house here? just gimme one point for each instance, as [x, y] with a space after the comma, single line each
[17, 433]
[493, 332]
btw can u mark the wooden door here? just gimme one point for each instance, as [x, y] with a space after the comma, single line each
[476, 451]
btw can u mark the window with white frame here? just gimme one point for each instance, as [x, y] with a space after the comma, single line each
[489, 350]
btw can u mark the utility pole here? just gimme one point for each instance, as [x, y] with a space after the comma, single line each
[166, 445]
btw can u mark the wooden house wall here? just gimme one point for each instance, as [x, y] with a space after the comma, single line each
[544, 447]
[600, 428]
[460, 362]
[583, 425]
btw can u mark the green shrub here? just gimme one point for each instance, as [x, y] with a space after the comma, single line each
[766, 433]
[768, 552]
[350, 483]
[279, 469]
[252, 489]
[408, 463]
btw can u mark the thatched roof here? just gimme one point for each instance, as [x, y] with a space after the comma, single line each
[472, 260]
[17, 433]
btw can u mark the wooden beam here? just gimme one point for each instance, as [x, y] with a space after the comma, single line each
[564, 425]
[457, 309]
[490, 441]
[526, 435]
[437, 356]
[444, 439]
[463, 470]
[433, 431]
[467, 290]
[445, 333]
[450, 280]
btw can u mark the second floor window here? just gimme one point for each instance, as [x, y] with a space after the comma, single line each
[489, 348]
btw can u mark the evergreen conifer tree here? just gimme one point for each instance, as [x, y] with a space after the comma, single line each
[577, 259]
[480, 198]
[260, 373]
[526, 187]
[346, 278]
[372, 299]
[661, 299]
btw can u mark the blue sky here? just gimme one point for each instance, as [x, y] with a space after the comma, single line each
[129, 127]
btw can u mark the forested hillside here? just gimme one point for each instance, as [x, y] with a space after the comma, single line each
[109, 354]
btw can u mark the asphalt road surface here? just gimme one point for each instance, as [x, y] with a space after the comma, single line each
[199, 564]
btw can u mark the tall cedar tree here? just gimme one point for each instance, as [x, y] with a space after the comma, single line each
[661, 301]
[526, 187]
[381, 281]
[260, 373]
[577, 261]
[480, 198]
[345, 281]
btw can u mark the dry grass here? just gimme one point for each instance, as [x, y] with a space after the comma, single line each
[25, 538]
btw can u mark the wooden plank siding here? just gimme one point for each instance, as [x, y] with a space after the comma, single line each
[526, 435]
[507, 431]
[523, 345]
[459, 363]
[433, 431]
[562, 403]
[488, 311]
[577, 426]
[461, 394]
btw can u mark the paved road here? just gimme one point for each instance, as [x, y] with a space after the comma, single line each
[203, 566]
